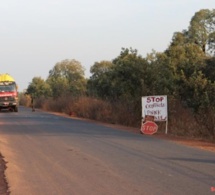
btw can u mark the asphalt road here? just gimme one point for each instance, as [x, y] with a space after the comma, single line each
[49, 154]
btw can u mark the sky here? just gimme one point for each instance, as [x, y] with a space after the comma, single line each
[37, 34]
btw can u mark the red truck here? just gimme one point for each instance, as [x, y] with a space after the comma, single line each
[8, 93]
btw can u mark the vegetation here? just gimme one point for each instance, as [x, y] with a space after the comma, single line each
[67, 76]
[185, 72]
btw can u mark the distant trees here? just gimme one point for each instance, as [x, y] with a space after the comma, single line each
[38, 88]
[99, 84]
[67, 76]
[183, 71]
[202, 30]
[186, 62]
[122, 78]
[129, 75]
[160, 76]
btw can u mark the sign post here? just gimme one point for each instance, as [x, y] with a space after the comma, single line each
[155, 106]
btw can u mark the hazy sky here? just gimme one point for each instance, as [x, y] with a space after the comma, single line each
[36, 34]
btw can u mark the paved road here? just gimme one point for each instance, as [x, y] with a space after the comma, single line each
[50, 154]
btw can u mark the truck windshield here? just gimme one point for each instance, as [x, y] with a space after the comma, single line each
[7, 88]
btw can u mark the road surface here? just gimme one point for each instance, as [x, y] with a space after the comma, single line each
[51, 154]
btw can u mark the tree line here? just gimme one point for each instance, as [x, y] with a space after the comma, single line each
[185, 72]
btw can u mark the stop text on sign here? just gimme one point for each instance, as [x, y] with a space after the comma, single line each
[149, 128]
[154, 99]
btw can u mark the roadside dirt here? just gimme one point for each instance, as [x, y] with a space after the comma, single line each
[3, 182]
[205, 145]
[197, 143]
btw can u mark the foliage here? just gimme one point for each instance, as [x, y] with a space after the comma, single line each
[129, 75]
[123, 78]
[161, 78]
[67, 76]
[38, 87]
[24, 99]
[209, 69]
[98, 83]
[202, 30]
[184, 71]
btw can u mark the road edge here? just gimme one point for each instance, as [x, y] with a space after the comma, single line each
[4, 188]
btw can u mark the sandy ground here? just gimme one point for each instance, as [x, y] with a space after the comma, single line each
[3, 183]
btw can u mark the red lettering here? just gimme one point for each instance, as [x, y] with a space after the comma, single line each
[148, 100]
[149, 128]
[154, 99]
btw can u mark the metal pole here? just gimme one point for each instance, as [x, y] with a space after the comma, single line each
[166, 126]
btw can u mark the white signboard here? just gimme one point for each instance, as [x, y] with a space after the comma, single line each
[155, 106]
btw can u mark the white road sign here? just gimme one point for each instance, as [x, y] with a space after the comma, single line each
[155, 106]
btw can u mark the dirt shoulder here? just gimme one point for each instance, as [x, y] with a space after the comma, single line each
[197, 143]
[3, 182]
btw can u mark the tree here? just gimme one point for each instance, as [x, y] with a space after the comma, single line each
[129, 76]
[38, 88]
[202, 30]
[186, 61]
[123, 78]
[209, 70]
[100, 68]
[98, 83]
[160, 79]
[67, 76]
[193, 69]
[179, 38]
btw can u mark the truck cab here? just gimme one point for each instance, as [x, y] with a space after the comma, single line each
[8, 93]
